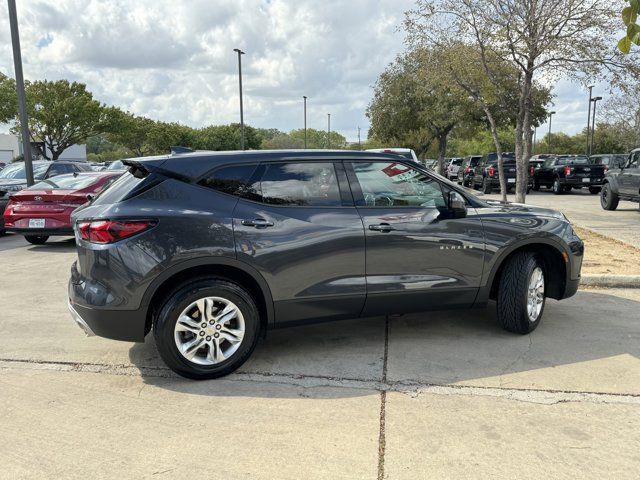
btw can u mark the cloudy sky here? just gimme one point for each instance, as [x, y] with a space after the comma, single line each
[174, 61]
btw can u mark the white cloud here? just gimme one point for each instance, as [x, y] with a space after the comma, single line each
[174, 61]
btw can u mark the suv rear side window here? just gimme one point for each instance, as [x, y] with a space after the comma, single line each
[118, 190]
[301, 184]
[233, 180]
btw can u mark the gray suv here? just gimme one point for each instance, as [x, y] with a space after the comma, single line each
[211, 249]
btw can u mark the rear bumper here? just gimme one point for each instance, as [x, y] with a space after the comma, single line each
[50, 232]
[579, 182]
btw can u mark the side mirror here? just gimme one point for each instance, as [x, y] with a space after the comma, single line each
[90, 196]
[457, 205]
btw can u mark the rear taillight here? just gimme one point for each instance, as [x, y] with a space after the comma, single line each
[109, 231]
[606, 168]
[468, 169]
[567, 171]
[532, 171]
[492, 171]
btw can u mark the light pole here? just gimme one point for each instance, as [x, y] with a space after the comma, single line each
[593, 123]
[22, 99]
[240, 53]
[305, 121]
[328, 131]
[359, 143]
[535, 134]
[551, 114]
[589, 120]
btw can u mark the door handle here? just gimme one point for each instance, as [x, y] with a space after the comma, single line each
[257, 223]
[383, 227]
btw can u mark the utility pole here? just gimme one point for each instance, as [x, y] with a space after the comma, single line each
[328, 131]
[589, 120]
[359, 143]
[593, 123]
[535, 134]
[22, 99]
[240, 53]
[305, 121]
[551, 114]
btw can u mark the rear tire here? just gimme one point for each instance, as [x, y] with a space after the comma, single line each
[520, 307]
[608, 199]
[557, 188]
[536, 186]
[36, 239]
[486, 186]
[188, 300]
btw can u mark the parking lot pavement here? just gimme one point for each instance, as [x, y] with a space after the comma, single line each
[584, 209]
[442, 394]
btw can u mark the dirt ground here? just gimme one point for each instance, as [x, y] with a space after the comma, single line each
[605, 255]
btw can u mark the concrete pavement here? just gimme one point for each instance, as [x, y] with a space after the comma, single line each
[437, 395]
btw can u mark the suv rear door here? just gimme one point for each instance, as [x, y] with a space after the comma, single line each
[298, 227]
[418, 258]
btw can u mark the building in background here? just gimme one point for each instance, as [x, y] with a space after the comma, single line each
[9, 147]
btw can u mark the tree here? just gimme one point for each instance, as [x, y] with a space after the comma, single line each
[132, 132]
[541, 38]
[282, 141]
[317, 139]
[412, 106]
[630, 19]
[8, 99]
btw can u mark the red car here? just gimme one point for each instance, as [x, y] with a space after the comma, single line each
[44, 209]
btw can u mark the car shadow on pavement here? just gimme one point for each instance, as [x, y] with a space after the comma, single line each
[59, 245]
[591, 334]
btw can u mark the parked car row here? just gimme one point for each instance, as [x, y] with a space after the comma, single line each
[562, 173]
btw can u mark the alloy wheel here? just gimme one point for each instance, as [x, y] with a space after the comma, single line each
[535, 294]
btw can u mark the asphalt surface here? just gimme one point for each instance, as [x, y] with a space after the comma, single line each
[584, 209]
[437, 395]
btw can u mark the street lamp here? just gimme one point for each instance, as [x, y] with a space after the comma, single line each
[240, 53]
[551, 114]
[305, 121]
[328, 131]
[359, 143]
[589, 120]
[22, 99]
[593, 123]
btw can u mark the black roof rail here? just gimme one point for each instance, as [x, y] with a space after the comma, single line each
[177, 150]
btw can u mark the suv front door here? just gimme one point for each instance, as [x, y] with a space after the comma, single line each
[418, 256]
[302, 232]
[629, 179]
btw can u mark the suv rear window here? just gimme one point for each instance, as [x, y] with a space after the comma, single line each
[118, 190]
[233, 180]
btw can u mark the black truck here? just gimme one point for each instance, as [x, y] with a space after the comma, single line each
[623, 183]
[486, 177]
[562, 173]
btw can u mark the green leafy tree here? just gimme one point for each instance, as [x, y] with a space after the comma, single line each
[62, 114]
[8, 99]
[630, 19]
[413, 105]
[318, 139]
[132, 133]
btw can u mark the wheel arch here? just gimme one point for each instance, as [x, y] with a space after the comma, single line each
[228, 268]
[555, 263]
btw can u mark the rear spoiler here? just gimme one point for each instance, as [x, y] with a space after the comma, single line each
[141, 169]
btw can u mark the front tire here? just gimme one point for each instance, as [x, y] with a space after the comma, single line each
[521, 294]
[486, 186]
[207, 328]
[36, 239]
[608, 199]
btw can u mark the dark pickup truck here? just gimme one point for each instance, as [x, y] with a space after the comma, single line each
[486, 177]
[622, 183]
[565, 172]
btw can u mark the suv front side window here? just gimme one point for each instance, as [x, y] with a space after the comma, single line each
[301, 184]
[388, 184]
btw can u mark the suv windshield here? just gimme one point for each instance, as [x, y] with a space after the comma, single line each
[18, 172]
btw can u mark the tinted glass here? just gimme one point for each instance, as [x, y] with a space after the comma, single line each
[386, 184]
[302, 184]
[118, 190]
[17, 171]
[233, 181]
[60, 169]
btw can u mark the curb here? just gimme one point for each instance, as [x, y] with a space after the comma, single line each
[611, 281]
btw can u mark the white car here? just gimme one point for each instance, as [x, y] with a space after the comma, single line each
[452, 167]
[403, 152]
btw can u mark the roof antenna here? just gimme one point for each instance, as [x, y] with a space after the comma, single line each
[177, 150]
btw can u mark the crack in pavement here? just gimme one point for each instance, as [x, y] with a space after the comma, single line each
[412, 388]
[382, 441]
